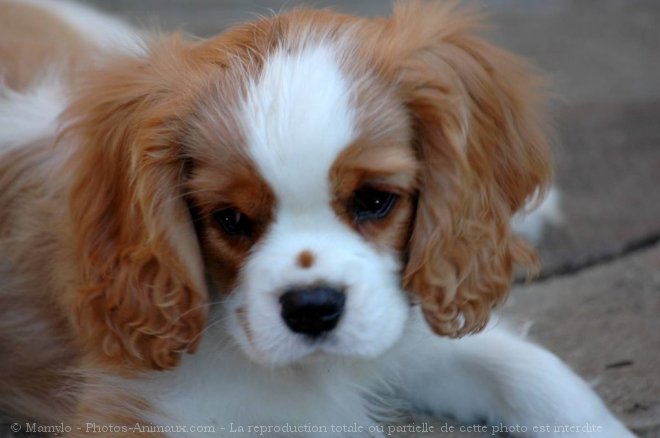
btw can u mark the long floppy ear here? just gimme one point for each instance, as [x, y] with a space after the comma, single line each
[143, 291]
[483, 157]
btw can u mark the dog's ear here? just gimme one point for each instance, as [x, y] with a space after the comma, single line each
[483, 156]
[143, 296]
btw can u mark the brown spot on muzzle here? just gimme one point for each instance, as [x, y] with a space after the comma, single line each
[305, 259]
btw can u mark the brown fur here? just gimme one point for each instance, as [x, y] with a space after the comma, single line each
[38, 351]
[483, 156]
[107, 409]
[102, 265]
[220, 174]
[388, 165]
[305, 259]
[211, 189]
[141, 266]
[33, 40]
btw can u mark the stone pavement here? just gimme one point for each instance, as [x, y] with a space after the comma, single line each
[597, 304]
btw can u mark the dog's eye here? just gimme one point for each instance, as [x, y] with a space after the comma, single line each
[369, 203]
[233, 222]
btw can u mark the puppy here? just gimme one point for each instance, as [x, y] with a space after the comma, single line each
[281, 230]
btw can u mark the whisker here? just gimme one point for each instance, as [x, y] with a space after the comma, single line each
[192, 309]
[209, 326]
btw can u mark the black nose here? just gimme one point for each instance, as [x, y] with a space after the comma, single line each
[312, 311]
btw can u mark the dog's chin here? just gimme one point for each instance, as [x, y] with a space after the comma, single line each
[302, 351]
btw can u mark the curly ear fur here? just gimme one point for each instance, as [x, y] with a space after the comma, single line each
[483, 157]
[143, 295]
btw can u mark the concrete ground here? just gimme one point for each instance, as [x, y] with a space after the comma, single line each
[598, 299]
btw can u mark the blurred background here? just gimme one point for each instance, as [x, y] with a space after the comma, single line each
[597, 302]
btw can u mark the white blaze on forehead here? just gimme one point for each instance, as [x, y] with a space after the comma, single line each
[297, 119]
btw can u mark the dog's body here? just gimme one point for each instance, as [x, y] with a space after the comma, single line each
[113, 367]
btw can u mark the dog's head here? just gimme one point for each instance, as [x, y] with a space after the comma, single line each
[315, 173]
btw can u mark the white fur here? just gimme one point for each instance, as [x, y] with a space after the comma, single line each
[31, 115]
[282, 120]
[220, 385]
[299, 118]
[369, 367]
[531, 224]
[496, 377]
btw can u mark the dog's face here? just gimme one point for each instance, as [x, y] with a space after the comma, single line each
[304, 212]
[315, 174]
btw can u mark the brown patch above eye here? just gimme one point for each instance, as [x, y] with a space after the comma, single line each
[305, 259]
[387, 167]
[227, 180]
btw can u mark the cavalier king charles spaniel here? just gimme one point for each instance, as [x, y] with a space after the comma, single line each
[281, 230]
